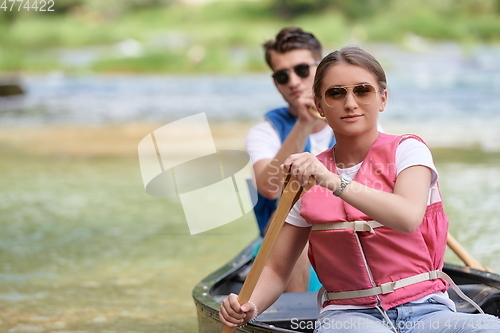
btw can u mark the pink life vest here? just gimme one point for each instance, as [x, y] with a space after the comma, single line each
[347, 260]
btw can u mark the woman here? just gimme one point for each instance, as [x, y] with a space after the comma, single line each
[375, 221]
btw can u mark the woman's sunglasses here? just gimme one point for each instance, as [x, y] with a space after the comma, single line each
[283, 76]
[364, 94]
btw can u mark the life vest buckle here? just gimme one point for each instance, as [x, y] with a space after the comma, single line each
[433, 275]
[388, 287]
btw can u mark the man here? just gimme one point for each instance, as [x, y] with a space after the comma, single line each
[293, 57]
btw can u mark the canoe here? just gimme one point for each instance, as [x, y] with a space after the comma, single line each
[297, 312]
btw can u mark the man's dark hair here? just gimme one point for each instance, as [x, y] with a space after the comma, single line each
[292, 38]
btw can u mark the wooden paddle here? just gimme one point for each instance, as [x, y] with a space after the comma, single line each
[467, 259]
[292, 191]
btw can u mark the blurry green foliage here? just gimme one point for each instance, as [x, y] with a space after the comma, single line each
[7, 17]
[352, 9]
[108, 7]
[65, 6]
[477, 6]
[359, 9]
[115, 8]
[289, 9]
[230, 33]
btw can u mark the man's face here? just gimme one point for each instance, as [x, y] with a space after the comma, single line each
[295, 85]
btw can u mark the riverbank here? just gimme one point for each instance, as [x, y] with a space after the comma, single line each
[121, 140]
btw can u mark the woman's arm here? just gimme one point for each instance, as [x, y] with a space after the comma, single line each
[273, 280]
[267, 171]
[401, 210]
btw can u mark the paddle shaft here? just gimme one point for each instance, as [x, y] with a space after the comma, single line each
[290, 195]
[468, 260]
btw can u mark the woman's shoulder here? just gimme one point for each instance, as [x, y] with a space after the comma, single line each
[396, 140]
[405, 137]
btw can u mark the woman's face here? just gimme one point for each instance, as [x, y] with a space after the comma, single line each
[354, 109]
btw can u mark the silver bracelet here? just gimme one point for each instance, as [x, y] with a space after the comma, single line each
[255, 310]
[343, 184]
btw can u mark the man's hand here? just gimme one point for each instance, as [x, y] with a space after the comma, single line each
[303, 103]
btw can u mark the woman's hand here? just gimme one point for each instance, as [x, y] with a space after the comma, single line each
[304, 165]
[232, 314]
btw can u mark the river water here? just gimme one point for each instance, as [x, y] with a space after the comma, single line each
[448, 95]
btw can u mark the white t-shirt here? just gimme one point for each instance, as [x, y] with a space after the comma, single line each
[409, 153]
[263, 141]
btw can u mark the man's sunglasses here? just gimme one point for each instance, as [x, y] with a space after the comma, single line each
[283, 76]
[364, 94]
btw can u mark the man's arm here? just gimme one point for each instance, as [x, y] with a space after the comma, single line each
[267, 171]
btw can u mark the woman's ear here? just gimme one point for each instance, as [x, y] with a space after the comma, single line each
[317, 103]
[383, 100]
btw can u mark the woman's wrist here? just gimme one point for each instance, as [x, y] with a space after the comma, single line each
[255, 311]
[254, 315]
[344, 181]
[333, 182]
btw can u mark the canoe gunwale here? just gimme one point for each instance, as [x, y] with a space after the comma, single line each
[207, 307]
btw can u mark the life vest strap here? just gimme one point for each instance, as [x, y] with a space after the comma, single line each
[384, 288]
[357, 226]
[389, 287]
